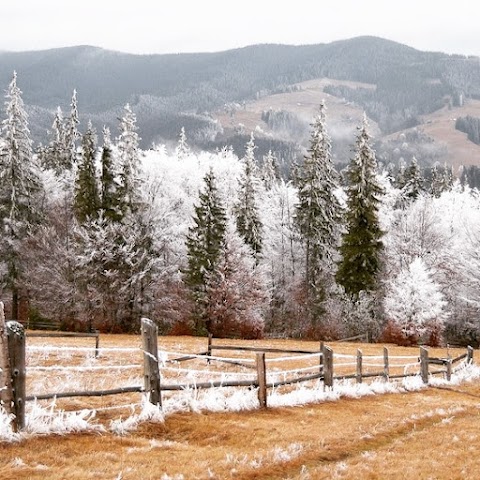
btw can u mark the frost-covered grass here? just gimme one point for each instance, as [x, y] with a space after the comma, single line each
[354, 431]
[66, 365]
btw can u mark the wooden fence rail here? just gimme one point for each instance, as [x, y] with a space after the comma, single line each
[154, 387]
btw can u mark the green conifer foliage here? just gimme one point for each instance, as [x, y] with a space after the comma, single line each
[205, 244]
[362, 246]
[21, 191]
[87, 199]
[248, 221]
[318, 213]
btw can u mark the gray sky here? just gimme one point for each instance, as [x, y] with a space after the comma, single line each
[155, 26]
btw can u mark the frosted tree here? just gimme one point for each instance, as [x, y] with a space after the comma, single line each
[247, 216]
[129, 161]
[414, 300]
[205, 243]
[318, 214]
[183, 150]
[414, 181]
[269, 171]
[236, 292]
[362, 246]
[55, 156]
[21, 191]
[110, 191]
[86, 202]
[71, 134]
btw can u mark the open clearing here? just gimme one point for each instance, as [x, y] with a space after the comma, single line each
[428, 434]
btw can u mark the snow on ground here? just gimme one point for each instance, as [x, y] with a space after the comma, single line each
[42, 420]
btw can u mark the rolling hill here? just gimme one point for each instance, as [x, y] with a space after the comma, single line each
[274, 90]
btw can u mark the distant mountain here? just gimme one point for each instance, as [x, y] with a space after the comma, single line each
[170, 91]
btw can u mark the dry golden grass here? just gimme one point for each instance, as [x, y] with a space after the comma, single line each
[419, 435]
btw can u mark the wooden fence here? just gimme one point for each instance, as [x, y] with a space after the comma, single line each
[324, 369]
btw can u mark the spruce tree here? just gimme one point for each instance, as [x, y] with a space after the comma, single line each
[71, 134]
[318, 214]
[110, 200]
[183, 150]
[269, 172]
[205, 243]
[248, 221]
[414, 181]
[21, 192]
[129, 162]
[87, 200]
[362, 246]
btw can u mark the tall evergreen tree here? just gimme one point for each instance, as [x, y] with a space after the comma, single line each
[205, 243]
[362, 246]
[87, 199]
[129, 162]
[248, 221]
[269, 172]
[318, 213]
[71, 134]
[21, 192]
[110, 200]
[182, 150]
[414, 181]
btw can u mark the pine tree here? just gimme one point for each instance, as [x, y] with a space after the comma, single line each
[436, 186]
[86, 201]
[414, 181]
[183, 150]
[21, 192]
[71, 134]
[269, 172]
[248, 221]
[362, 246]
[111, 203]
[318, 213]
[129, 162]
[205, 242]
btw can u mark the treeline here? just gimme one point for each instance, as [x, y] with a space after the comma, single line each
[97, 233]
[471, 126]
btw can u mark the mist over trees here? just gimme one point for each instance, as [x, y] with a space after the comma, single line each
[97, 233]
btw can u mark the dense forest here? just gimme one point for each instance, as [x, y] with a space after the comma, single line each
[97, 233]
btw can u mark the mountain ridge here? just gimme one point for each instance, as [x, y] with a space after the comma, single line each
[168, 91]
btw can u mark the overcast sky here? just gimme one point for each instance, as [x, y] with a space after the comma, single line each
[173, 26]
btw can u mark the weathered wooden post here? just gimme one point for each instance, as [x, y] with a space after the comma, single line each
[424, 364]
[262, 380]
[6, 394]
[16, 350]
[209, 347]
[327, 367]
[448, 373]
[359, 366]
[150, 361]
[469, 355]
[97, 343]
[386, 367]
[321, 358]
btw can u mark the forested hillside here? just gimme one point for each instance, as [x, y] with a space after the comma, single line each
[168, 92]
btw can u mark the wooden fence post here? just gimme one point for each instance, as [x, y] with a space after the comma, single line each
[424, 364]
[209, 347]
[448, 364]
[386, 367]
[321, 358]
[327, 367]
[16, 349]
[469, 355]
[6, 394]
[262, 380]
[150, 361]
[359, 366]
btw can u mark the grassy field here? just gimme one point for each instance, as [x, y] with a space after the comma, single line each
[427, 434]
